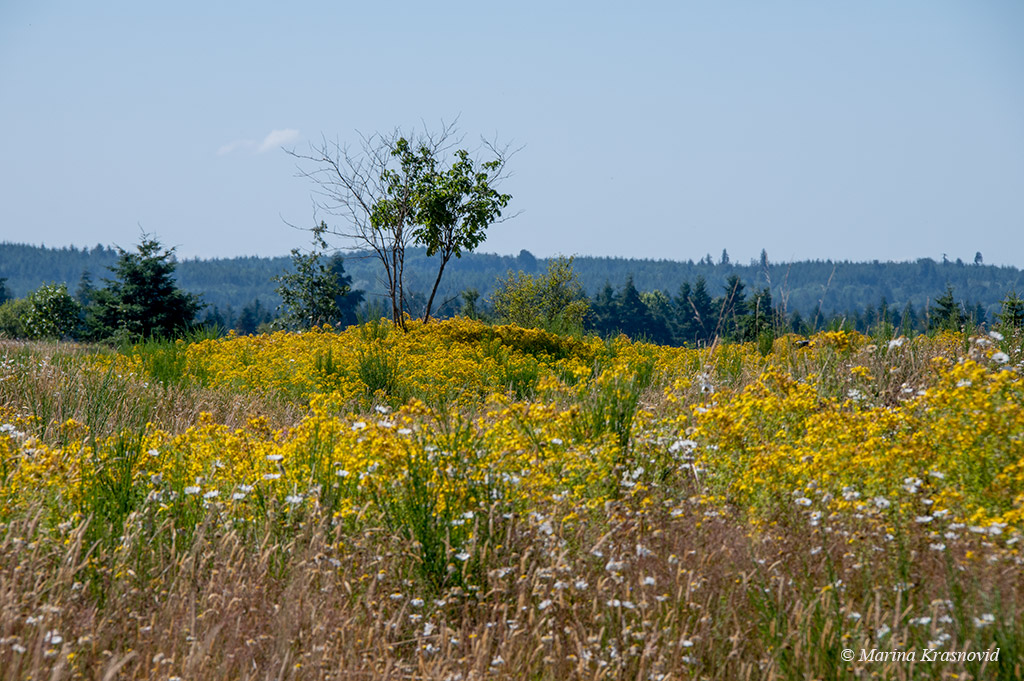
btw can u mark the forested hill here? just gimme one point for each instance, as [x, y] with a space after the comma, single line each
[839, 286]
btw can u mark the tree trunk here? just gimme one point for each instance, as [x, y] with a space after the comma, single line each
[437, 282]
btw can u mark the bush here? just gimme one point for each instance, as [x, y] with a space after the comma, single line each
[51, 313]
[12, 314]
[554, 301]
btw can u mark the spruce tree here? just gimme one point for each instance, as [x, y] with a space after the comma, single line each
[1012, 313]
[947, 314]
[143, 300]
[703, 311]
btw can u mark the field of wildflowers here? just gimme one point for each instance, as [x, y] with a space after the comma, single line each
[463, 501]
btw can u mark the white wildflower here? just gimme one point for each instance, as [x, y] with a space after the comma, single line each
[984, 620]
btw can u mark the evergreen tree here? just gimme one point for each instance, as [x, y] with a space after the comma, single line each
[604, 315]
[252, 317]
[703, 311]
[733, 309]
[4, 295]
[761, 316]
[143, 300]
[526, 261]
[636, 318]
[909, 321]
[86, 292]
[1012, 313]
[797, 324]
[947, 314]
[659, 314]
[216, 320]
[683, 326]
[349, 301]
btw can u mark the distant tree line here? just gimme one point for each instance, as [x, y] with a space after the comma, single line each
[142, 300]
[693, 316]
[672, 302]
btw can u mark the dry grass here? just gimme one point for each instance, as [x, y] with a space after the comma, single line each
[620, 593]
[54, 382]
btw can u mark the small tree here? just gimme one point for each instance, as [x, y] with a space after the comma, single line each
[455, 208]
[393, 192]
[947, 313]
[51, 312]
[469, 308]
[554, 301]
[12, 317]
[143, 301]
[1011, 316]
[732, 309]
[311, 292]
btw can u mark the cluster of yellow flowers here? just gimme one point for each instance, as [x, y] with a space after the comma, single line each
[467, 414]
[959, 445]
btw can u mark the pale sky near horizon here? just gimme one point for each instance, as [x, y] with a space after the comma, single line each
[859, 130]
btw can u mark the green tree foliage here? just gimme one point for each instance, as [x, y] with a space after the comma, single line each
[703, 312]
[4, 295]
[554, 300]
[455, 207]
[732, 309]
[12, 314]
[1012, 313]
[143, 300]
[395, 192]
[252, 317]
[947, 314]
[316, 291]
[470, 299]
[840, 288]
[761, 317]
[51, 313]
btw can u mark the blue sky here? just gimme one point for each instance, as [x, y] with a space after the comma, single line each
[858, 130]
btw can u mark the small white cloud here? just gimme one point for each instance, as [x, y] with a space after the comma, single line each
[276, 138]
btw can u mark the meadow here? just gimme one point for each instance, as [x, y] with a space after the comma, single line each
[464, 501]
